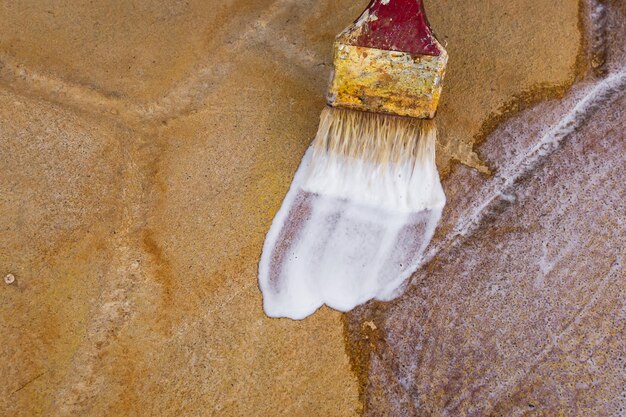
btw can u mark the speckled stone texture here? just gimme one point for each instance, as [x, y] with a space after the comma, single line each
[146, 145]
[521, 310]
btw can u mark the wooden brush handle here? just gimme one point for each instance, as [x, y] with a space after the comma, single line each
[397, 25]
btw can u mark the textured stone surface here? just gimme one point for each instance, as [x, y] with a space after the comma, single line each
[520, 310]
[135, 49]
[134, 229]
[144, 149]
[503, 56]
[61, 182]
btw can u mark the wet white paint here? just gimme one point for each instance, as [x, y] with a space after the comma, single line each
[343, 252]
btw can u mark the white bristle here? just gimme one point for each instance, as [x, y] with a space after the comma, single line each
[375, 160]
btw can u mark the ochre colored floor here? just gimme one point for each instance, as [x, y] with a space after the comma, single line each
[144, 149]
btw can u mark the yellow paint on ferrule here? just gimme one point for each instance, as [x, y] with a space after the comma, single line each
[391, 82]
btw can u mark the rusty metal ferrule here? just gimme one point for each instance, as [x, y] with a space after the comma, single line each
[371, 74]
[391, 82]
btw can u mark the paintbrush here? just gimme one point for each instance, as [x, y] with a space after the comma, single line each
[367, 197]
[385, 88]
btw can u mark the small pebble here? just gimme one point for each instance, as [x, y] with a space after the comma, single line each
[9, 279]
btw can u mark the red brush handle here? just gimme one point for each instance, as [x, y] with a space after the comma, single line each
[398, 25]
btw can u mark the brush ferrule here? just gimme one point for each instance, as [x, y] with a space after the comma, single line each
[391, 82]
[389, 62]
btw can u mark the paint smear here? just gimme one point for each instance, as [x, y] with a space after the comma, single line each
[342, 252]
